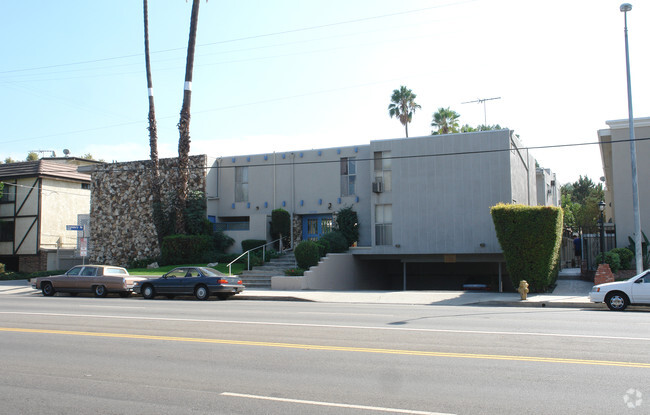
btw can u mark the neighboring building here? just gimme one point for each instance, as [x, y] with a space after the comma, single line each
[548, 194]
[38, 200]
[615, 156]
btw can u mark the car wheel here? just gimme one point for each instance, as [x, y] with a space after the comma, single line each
[125, 294]
[100, 291]
[617, 301]
[47, 289]
[201, 292]
[148, 292]
[224, 296]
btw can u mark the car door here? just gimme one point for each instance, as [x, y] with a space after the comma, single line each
[641, 290]
[68, 281]
[86, 278]
[171, 282]
[189, 280]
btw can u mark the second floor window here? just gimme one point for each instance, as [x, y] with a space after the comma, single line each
[8, 193]
[348, 176]
[241, 184]
[382, 169]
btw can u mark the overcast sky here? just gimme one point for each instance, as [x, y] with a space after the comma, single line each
[292, 75]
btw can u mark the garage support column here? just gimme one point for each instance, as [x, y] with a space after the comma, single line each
[500, 280]
[404, 275]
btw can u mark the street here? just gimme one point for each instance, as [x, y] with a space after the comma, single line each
[116, 356]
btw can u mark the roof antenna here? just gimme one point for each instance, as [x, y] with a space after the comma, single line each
[482, 100]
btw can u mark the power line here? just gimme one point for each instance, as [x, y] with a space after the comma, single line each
[304, 29]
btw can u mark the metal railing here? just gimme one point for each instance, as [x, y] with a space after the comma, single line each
[248, 253]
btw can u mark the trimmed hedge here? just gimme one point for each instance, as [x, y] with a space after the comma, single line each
[347, 223]
[334, 242]
[306, 254]
[530, 237]
[247, 244]
[186, 249]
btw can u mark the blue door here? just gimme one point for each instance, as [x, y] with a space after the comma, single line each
[314, 226]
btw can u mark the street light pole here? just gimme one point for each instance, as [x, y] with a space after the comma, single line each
[626, 7]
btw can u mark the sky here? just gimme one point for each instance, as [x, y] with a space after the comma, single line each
[288, 75]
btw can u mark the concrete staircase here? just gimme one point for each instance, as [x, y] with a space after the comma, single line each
[260, 277]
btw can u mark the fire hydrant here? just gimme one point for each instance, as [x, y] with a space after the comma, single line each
[523, 289]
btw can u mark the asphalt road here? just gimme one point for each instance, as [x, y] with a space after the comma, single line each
[84, 355]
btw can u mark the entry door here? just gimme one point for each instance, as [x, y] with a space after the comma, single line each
[314, 226]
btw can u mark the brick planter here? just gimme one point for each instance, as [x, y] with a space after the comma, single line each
[603, 274]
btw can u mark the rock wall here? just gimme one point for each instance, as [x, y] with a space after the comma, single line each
[121, 208]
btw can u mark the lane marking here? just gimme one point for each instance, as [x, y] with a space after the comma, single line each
[333, 348]
[333, 326]
[331, 404]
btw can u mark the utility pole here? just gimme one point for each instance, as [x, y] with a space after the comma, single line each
[479, 101]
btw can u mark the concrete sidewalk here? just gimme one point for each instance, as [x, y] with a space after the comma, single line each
[567, 293]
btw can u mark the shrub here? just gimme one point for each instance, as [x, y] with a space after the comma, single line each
[281, 224]
[611, 258]
[323, 247]
[626, 256]
[348, 224]
[530, 237]
[306, 254]
[336, 242]
[142, 262]
[2, 268]
[185, 249]
[294, 272]
[248, 244]
[221, 241]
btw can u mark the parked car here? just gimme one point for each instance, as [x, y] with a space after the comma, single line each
[98, 279]
[618, 295]
[198, 281]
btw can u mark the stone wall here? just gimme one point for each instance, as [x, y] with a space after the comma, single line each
[121, 211]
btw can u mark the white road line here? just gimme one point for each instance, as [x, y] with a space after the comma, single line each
[343, 314]
[334, 326]
[332, 404]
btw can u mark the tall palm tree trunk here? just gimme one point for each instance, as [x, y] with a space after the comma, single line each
[184, 124]
[153, 134]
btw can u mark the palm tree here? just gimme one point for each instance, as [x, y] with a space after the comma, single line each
[403, 106]
[445, 120]
[184, 123]
[153, 133]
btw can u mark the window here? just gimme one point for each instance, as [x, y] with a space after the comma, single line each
[382, 169]
[8, 193]
[85, 186]
[74, 271]
[383, 224]
[6, 231]
[89, 272]
[348, 176]
[241, 184]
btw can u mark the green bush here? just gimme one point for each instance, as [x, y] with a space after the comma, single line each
[306, 254]
[2, 268]
[186, 249]
[611, 258]
[228, 258]
[348, 224]
[530, 237]
[336, 241]
[626, 256]
[281, 224]
[323, 247]
[294, 272]
[221, 241]
[248, 244]
[142, 262]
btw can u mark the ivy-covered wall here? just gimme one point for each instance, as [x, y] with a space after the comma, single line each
[121, 213]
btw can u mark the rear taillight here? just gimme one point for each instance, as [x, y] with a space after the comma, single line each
[222, 281]
[239, 282]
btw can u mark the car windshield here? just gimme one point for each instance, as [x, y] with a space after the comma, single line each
[643, 274]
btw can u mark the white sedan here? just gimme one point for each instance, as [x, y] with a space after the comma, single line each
[618, 295]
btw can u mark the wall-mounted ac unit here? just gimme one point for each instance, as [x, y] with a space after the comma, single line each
[377, 187]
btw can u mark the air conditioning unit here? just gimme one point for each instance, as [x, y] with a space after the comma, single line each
[378, 186]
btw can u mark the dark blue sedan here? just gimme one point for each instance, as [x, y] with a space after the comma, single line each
[198, 281]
